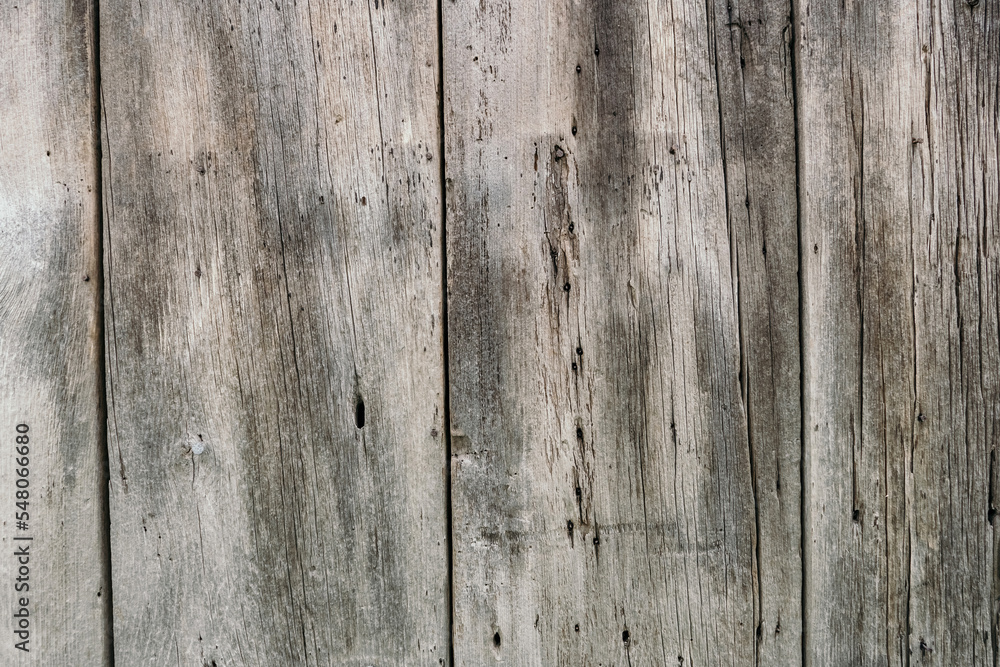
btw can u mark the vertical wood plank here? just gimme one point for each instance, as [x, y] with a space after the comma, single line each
[50, 343]
[603, 504]
[274, 329]
[899, 145]
[754, 46]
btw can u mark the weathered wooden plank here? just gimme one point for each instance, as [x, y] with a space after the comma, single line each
[50, 342]
[757, 102]
[603, 506]
[899, 193]
[274, 311]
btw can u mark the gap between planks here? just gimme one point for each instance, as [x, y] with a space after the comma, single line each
[103, 462]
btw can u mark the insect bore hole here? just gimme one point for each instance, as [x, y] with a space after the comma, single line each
[359, 414]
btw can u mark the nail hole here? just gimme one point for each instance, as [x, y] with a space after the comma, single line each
[496, 639]
[359, 414]
[625, 636]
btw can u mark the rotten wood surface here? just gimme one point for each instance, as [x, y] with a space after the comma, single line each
[274, 333]
[50, 341]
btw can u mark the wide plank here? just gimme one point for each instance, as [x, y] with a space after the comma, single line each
[274, 327]
[603, 507]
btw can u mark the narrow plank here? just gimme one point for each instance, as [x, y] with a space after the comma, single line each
[899, 186]
[757, 100]
[274, 319]
[603, 508]
[50, 343]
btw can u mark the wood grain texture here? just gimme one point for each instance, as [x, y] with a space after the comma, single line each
[50, 343]
[755, 65]
[899, 193]
[274, 332]
[603, 507]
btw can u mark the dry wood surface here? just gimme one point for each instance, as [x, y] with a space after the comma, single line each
[482, 332]
[272, 245]
[52, 471]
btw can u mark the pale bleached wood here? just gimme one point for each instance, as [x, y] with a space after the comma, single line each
[754, 41]
[603, 507]
[899, 144]
[273, 212]
[50, 342]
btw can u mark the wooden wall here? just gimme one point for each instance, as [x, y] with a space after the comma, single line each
[463, 333]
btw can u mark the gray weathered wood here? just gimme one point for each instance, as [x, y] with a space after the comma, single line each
[274, 332]
[757, 101]
[50, 343]
[899, 195]
[603, 501]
